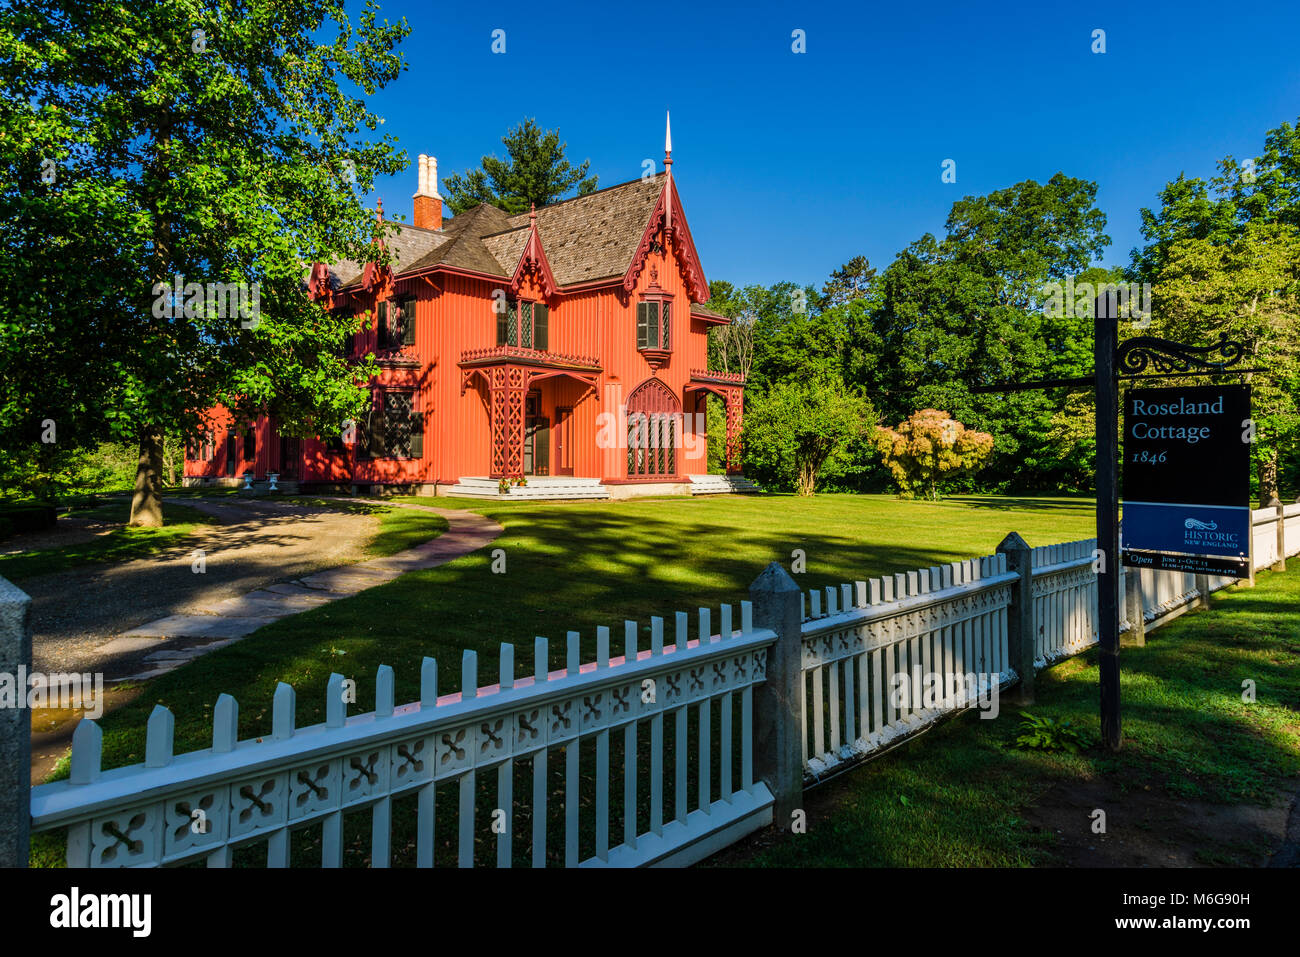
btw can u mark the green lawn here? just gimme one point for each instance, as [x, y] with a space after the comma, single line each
[403, 528]
[571, 567]
[120, 544]
[397, 530]
[957, 796]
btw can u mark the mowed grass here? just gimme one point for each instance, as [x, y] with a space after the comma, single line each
[397, 530]
[121, 544]
[567, 567]
[957, 796]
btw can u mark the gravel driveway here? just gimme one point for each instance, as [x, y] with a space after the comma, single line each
[257, 543]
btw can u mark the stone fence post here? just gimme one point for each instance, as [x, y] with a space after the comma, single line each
[778, 718]
[1020, 616]
[15, 727]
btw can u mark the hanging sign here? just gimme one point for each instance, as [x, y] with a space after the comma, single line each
[1186, 479]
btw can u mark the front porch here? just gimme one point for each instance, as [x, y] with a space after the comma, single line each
[539, 488]
[557, 488]
[529, 414]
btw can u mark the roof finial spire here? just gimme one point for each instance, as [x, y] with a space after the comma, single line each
[668, 140]
[532, 213]
[379, 208]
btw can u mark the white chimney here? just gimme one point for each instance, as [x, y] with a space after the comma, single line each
[428, 185]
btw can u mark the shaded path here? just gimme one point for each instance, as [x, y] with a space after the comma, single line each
[266, 560]
[206, 612]
[220, 623]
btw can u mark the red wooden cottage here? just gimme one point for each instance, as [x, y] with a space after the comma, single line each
[566, 346]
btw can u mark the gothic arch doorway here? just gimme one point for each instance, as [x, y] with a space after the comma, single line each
[654, 431]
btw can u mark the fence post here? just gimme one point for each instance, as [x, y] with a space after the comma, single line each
[1250, 550]
[1202, 592]
[1020, 616]
[1133, 607]
[778, 717]
[1280, 564]
[15, 728]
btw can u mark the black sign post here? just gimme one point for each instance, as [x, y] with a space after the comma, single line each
[1131, 360]
[1105, 345]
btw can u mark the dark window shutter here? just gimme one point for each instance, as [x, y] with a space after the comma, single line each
[371, 437]
[417, 431]
[408, 321]
[541, 319]
[667, 324]
[642, 340]
[502, 319]
[526, 324]
[250, 444]
[381, 333]
[362, 434]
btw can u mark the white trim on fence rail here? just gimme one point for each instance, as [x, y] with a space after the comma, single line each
[259, 790]
[893, 655]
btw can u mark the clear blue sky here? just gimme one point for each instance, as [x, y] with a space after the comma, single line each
[790, 164]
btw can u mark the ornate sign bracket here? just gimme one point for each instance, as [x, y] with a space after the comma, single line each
[1134, 356]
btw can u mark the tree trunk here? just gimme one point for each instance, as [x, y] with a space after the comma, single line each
[807, 480]
[1267, 472]
[146, 503]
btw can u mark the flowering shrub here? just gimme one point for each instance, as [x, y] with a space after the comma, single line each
[926, 448]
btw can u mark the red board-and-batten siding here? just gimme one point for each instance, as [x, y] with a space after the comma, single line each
[454, 314]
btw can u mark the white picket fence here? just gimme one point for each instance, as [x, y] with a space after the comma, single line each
[879, 660]
[1264, 537]
[1065, 600]
[887, 657]
[177, 808]
[884, 659]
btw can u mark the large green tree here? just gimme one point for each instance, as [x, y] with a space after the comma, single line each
[794, 429]
[533, 172]
[223, 142]
[966, 310]
[1249, 289]
[1221, 256]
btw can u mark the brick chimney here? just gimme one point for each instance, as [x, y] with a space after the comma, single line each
[428, 204]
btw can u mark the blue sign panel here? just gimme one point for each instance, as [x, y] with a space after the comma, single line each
[1222, 530]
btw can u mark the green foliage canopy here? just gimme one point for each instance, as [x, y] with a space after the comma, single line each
[534, 172]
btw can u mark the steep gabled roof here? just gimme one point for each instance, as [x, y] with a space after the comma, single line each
[407, 246]
[506, 248]
[464, 248]
[594, 236]
[587, 238]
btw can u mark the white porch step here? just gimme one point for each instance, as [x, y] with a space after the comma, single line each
[539, 488]
[722, 485]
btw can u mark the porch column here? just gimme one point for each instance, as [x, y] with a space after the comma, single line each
[735, 414]
[509, 387]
